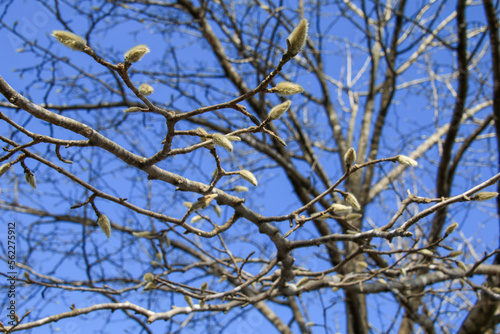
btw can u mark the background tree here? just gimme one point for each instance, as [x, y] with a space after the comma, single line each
[224, 203]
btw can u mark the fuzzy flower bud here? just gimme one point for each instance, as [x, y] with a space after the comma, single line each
[70, 40]
[217, 210]
[339, 208]
[189, 300]
[104, 224]
[149, 277]
[132, 110]
[353, 216]
[484, 196]
[196, 219]
[352, 201]
[297, 38]
[350, 157]
[426, 252]
[451, 228]
[404, 160]
[455, 253]
[4, 168]
[145, 89]
[279, 110]
[247, 175]
[30, 178]
[136, 53]
[287, 88]
[221, 140]
[240, 189]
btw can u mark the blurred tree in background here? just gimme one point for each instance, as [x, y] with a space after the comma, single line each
[339, 177]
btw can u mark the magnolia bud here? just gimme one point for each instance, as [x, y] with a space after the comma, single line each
[484, 196]
[451, 228]
[350, 157]
[149, 286]
[30, 178]
[136, 53]
[426, 252]
[353, 216]
[247, 175]
[462, 266]
[104, 224]
[404, 160]
[297, 38]
[196, 219]
[339, 208]
[145, 89]
[221, 140]
[148, 277]
[279, 110]
[455, 253]
[287, 88]
[352, 201]
[189, 300]
[4, 168]
[240, 189]
[217, 210]
[70, 40]
[132, 109]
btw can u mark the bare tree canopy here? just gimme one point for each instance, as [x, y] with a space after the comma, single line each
[249, 166]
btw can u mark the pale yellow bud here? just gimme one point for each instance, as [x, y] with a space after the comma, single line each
[341, 208]
[188, 205]
[353, 216]
[455, 253]
[189, 300]
[150, 286]
[240, 189]
[30, 178]
[279, 110]
[352, 201]
[203, 202]
[451, 228]
[145, 89]
[4, 168]
[462, 266]
[149, 277]
[426, 252]
[287, 88]
[233, 138]
[70, 40]
[350, 157]
[136, 53]
[144, 234]
[323, 216]
[247, 175]
[447, 247]
[196, 219]
[104, 224]
[204, 286]
[221, 140]
[159, 256]
[484, 196]
[404, 160]
[298, 37]
[132, 109]
[217, 210]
